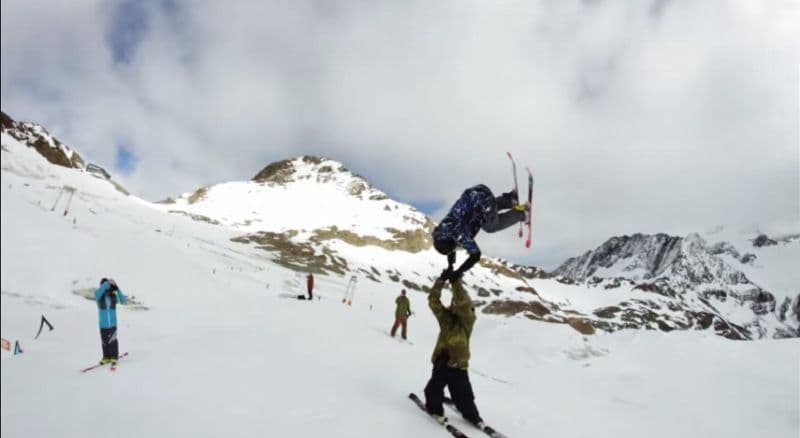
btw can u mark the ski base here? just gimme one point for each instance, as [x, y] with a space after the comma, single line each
[529, 222]
[454, 431]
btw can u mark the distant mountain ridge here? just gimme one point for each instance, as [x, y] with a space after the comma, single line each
[312, 214]
[687, 269]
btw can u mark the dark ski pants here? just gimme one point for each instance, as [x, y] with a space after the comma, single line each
[503, 220]
[108, 337]
[400, 322]
[460, 391]
[310, 293]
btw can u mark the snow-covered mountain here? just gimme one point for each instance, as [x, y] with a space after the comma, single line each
[310, 199]
[216, 348]
[699, 279]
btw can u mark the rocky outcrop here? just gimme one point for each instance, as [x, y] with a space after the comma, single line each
[762, 240]
[37, 137]
[667, 265]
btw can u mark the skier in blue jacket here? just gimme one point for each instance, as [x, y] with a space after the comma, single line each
[476, 209]
[107, 296]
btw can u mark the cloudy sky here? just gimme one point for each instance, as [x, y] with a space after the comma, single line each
[635, 116]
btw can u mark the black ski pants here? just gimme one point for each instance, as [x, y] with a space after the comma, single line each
[457, 381]
[108, 337]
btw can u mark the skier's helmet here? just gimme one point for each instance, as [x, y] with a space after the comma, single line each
[444, 246]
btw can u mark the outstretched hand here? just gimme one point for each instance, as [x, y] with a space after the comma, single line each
[446, 274]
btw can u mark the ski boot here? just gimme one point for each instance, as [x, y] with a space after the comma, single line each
[524, 208]
[478, 422]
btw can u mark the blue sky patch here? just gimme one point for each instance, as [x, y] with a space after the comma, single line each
[125, 162]
[127, 28]
[427, 207]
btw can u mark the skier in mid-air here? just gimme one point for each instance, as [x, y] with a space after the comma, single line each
[476, 209]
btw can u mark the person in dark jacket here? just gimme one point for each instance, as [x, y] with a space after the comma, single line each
[107, 296]
[401, 314]
[476, 209]
[310, 285]
[451, 355]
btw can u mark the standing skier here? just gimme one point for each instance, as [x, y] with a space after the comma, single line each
[401, 314]
[107, 296]
[476, 209]
[310, 285]
[451, 354]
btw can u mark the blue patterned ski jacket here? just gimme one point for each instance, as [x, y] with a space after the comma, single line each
[475, 208]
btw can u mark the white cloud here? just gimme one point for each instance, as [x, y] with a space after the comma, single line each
[636, 116]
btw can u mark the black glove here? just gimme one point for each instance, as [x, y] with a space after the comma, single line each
[446, 274]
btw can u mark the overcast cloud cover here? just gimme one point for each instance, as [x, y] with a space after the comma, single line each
[636, 116]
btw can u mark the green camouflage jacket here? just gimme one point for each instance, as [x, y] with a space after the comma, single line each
[455, 324]
[403, 307]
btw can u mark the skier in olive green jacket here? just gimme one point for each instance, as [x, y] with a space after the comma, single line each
[451, 354]
[401, 314]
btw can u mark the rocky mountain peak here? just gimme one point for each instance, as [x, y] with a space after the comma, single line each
[35, 136]
[319, 169]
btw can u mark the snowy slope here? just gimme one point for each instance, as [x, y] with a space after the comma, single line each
[218, 351]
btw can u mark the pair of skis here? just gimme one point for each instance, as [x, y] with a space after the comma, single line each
[112, 368]
[529, 218]
[454, 431]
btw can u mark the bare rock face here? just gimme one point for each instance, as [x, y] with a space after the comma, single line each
[38, 138]
[661, 263]
[762, 240]
[279, 172]
[648, 254]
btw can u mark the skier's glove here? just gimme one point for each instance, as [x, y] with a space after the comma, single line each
[446, 274]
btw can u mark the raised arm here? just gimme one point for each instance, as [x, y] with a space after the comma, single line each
[98, 294]
[469, 244]
[121, 298]
[462, 304]
[435, 298]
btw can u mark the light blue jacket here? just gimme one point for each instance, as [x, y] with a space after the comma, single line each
[107, 306]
